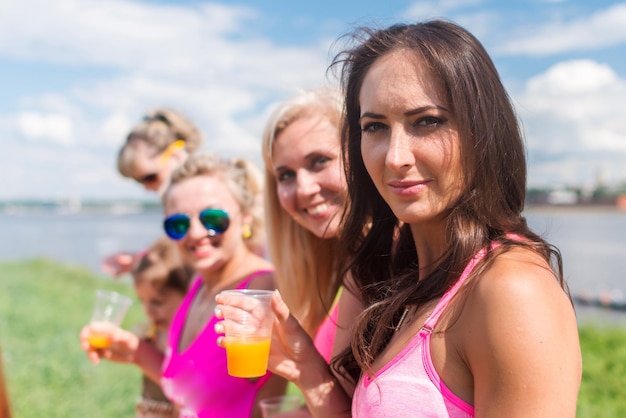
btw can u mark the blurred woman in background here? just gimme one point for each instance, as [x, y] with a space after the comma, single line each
[155, 146]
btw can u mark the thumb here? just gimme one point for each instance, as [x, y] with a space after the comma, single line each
[280, 308]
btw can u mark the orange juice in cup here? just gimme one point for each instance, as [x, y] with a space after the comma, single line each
[248, 326]
[108, 312]
[99, 336]
[247, 357]
[99, 340]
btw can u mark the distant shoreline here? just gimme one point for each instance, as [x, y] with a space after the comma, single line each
[538, 208]
[127, 208]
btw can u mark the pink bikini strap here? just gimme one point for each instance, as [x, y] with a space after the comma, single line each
[445, 299]
[244, 284]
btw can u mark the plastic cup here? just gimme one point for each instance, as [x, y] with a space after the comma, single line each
[108, 312]
[287, 406]
[248, 333]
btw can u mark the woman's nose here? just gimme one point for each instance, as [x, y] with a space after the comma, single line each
[307, 183]
[196, 230]
[399, 153]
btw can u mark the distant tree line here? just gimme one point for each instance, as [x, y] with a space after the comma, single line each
[598, 195]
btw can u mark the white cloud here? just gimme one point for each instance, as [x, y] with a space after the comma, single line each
[208, 61]
[573, 117]
[115, 128]
[119, 33]
[574, 77]
[55, 128]
[604, 28]
[51, 171]
[203, 60]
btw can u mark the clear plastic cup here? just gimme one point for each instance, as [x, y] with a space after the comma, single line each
[108, 313]
[248, 332]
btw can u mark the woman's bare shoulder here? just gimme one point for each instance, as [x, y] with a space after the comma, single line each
[517, 302]
[519, 334]
[518, 275]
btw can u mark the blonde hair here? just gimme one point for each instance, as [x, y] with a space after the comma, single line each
[163, 265]
[306, 265]
[159, 128]
[243, 180]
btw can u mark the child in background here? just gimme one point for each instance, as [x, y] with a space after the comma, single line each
[161, 280]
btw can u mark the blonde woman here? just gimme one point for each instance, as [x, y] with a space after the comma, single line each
[155, 146]
[305, 192]
[210, 211]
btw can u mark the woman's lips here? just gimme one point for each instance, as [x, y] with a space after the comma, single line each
[408, 187]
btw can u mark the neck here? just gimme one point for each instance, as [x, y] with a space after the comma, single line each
[430, 244]
[243, 263]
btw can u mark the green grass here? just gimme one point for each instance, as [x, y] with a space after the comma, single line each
[603, 389]
[43, 306]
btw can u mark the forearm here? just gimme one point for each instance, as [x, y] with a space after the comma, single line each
[324, 395]
[149, 359]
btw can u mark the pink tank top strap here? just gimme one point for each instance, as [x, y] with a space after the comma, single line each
[430, 323]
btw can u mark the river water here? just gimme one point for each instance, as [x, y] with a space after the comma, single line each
[592, 242]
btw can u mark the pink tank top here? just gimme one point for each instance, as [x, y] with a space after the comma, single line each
[409, 385]
[197, 379]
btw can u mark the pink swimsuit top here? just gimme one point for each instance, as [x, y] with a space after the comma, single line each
[409, 385]
[325, 335]
[197, 379]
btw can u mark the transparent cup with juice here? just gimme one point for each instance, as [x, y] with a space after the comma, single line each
[108, 313]
[248, 333]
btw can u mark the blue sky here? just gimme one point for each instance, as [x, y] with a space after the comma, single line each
[75, 75]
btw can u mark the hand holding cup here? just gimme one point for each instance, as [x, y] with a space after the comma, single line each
[248, 321]
[108, 312]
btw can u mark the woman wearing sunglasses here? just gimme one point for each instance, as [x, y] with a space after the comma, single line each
[155, 146]
[211, 209]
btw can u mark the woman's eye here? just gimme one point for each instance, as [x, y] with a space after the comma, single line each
[285, 176]
[372, 127]
[429, 121]
[320, 161]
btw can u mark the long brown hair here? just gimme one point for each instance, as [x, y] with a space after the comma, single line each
[383, 257]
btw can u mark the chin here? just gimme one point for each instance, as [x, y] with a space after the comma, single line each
[325, 232]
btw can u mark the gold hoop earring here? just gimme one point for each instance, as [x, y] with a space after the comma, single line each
[246, 231]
